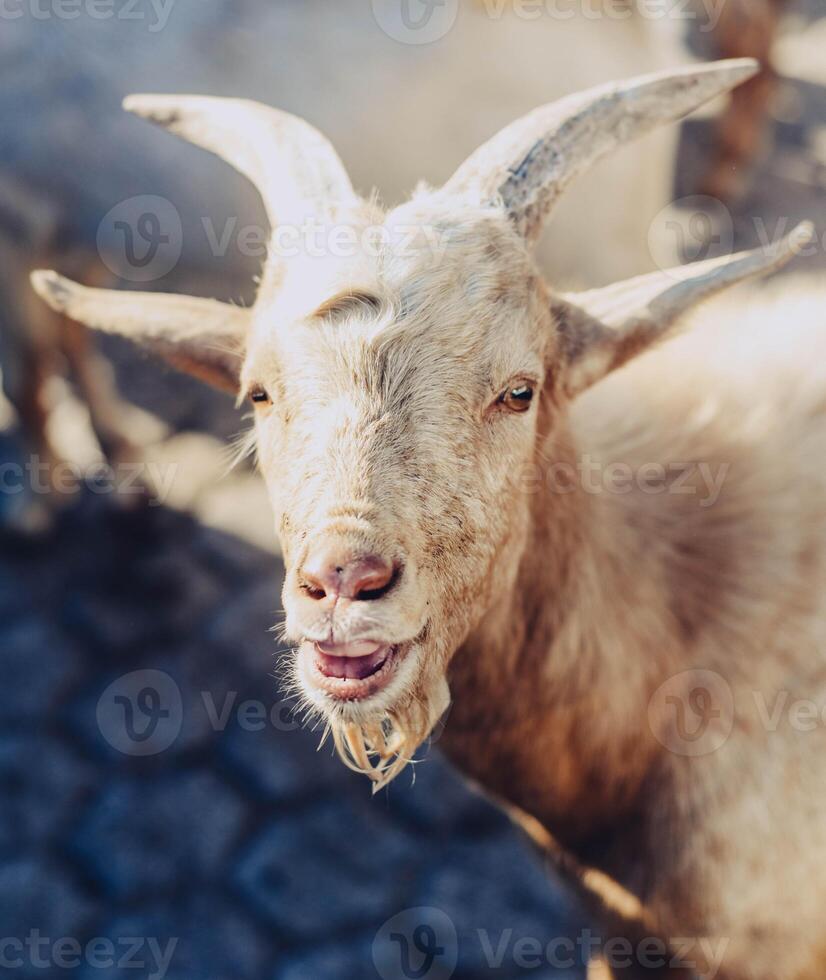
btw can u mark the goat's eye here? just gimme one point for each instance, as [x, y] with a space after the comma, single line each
[517, 399]
[259, 396]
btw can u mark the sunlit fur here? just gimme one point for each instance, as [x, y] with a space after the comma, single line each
[387, 416]
[618, 592]
[556, 616]
[549, 612]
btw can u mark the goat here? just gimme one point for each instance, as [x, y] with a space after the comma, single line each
[542, 54]
[46, 217]
[442, 436]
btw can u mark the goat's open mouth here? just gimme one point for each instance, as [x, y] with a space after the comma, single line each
[350, 671]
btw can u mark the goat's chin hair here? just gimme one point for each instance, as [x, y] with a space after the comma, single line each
[381, 749]
[379, 743]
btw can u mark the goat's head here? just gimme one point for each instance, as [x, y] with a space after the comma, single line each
[403, 369]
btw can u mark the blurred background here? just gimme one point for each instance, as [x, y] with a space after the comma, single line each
[159, 804]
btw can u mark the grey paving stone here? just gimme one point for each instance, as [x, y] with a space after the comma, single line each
[14, 598]
[436, 799]
[347, 960]
[38, 664]
[280, 762]
[216, 689]
[334, 867]
[130, 714]
[147, 837]
[243, 626]
[201, 937]
[40, 781]
[114, 625]
[498, 892]
[165, 595]
[232, 559]
[187, 591]
[197, 696]
[36, 894]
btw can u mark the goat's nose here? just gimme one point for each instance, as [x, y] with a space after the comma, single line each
[331, 575]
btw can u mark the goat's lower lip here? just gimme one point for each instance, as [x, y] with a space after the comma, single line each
[349, 674]
[351, 661]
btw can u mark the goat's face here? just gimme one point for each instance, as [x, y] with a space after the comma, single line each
[400, 393]
[393, 422]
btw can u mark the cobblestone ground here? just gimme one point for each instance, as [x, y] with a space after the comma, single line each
[229, 835]
[196, 829]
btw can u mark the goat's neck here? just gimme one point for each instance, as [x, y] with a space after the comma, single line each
[550, 691]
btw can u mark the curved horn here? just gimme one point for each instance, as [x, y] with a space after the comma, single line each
[201, 336]
[528, 165]
[602, 329]
[295, 169]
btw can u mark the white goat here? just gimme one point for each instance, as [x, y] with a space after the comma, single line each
[611, 587]
[529, 59]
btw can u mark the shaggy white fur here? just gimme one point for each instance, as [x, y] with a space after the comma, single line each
[584, 564]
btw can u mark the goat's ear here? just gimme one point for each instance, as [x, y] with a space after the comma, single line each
[602, 329]
[295, 169]
[527, 166]
[200, 336]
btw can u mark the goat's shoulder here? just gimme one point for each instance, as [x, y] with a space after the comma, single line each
[719, 436]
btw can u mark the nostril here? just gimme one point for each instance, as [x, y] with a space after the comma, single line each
[315, 582]
[368, 577]
[365, 578]
[377, 584]
[313, 588]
